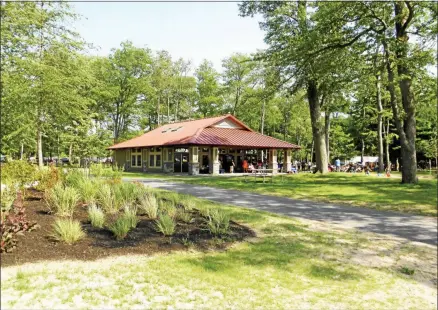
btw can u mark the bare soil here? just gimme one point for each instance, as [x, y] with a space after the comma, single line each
[38, 245]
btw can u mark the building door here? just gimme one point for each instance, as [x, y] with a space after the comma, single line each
[181, 162]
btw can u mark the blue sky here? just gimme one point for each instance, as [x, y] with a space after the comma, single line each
[189, 30]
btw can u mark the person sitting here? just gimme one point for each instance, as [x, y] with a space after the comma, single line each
[250, 167]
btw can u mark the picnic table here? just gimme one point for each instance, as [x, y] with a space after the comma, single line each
[262, 172]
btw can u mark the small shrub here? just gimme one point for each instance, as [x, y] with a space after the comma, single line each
[121, 227]
[18, 171]
[184, 216]
[48, 178]
[8, 196]
[12, 223]
[97, 170]
[165, 225]
[168, 208]
[130, 215]
[68, 230]
[149, 204]
[218, 222]
[96, 216]
[107, 199]
[62, 200]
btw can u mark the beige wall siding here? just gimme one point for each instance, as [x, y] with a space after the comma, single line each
[120, 157]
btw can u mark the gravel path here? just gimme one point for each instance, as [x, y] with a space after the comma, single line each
[415, 228]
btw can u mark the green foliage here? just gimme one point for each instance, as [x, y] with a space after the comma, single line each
[68, 230]
[18, 171]
[165, 224]
[407, 271]
[218, 222]
[121, 227]
[96, 216]
[62, 200]
[149, 204]
[74, 177]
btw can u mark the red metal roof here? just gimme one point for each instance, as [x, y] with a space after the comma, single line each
[239, 138]
[199, 132]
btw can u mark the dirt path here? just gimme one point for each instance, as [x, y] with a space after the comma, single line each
[411, 227]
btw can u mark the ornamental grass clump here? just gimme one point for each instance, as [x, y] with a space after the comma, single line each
[62, 200]
[168, 207]
[74, 177]
[218, 222]
[130, 215]
[88, 190]
[68, 230]
[121, 227]
[107, 200]
[149, 205]
[126, 194]
[188, 204]
[184, 216]
[165, 225]
[96, 216]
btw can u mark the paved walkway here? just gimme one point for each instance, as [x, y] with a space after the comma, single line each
[415, 228]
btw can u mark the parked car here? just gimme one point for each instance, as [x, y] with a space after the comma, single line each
[65, 160]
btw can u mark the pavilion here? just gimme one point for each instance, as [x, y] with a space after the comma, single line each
[197, 146]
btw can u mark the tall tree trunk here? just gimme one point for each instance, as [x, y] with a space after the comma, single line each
[317, 127]
[362, 153]
[158, 111]
[311, 151]
[379, 124]
[40, 147]
[262, 122]
[407, 127]
[327, 134]
[168, 109]
[262, 119]
[22, 150]
[387, 142]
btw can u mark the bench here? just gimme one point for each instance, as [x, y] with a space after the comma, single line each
[260, 173]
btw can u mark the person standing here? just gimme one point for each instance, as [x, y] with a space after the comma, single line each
[245, 165]
[232, 166]
[338, 165]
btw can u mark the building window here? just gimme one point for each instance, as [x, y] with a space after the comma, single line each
[136, 157]
[155, 158]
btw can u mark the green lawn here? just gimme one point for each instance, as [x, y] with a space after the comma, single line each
[354, 189]
[290, 264]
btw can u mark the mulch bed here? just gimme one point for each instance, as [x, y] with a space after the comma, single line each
[37, 245]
